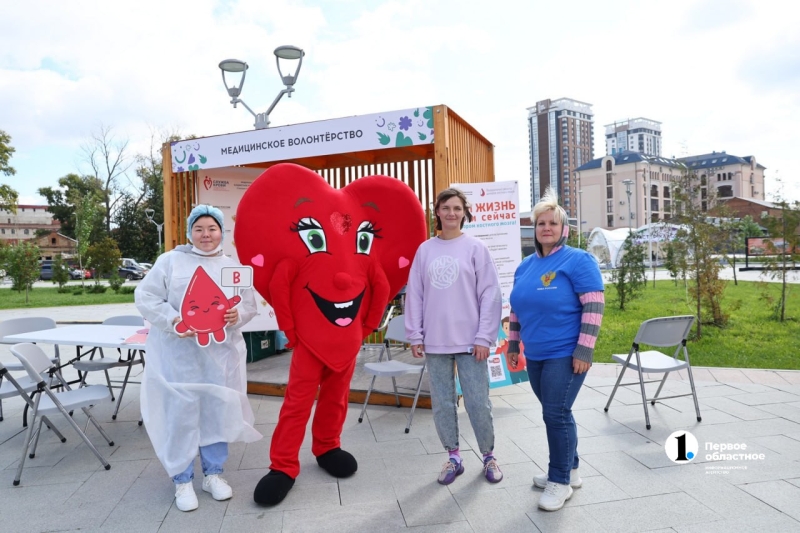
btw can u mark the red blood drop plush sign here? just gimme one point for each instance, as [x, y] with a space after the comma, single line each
[203, 309]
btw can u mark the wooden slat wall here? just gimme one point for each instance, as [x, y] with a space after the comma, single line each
[462, 155]
[418, 175]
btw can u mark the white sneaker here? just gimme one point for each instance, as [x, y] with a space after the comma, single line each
[554, 496]
[218, 487]
[575, 480]
[185, 498]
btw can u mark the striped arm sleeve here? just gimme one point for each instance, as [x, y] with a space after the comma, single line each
[513, 333]
[591, 317]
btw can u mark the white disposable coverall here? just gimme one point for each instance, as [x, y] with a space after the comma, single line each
[191, 396]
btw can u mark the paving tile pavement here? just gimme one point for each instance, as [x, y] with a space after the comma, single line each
[629, 482]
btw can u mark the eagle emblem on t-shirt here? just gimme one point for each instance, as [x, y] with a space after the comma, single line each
[547, 278]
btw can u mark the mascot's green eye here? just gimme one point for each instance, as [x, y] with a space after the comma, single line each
[315, 240]
[312, 235]
[364, 237]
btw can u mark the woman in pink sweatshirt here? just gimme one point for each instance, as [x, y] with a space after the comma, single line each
[452, 313]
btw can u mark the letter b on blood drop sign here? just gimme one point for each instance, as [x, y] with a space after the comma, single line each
[240, 277]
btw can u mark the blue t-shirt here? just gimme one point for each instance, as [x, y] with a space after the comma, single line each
[545, 300]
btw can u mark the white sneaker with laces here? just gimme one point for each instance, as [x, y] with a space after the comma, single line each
[218, 487]
[554, 496]
[185, 498]
[575, 480]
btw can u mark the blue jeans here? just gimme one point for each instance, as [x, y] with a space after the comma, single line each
[557, 386]
[474, 378]
[212, 457]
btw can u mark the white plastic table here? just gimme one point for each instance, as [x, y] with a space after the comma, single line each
[94, 335]
[90, 336]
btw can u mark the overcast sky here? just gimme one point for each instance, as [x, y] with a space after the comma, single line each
[719, 74]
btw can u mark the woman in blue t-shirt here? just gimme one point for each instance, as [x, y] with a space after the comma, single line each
[556, 309]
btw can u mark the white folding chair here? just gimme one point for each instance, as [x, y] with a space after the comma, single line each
[395, 332]
[12, 387]
[660, 332]
[84, 366]
[387, 316]
[47, 402]
[15, 326]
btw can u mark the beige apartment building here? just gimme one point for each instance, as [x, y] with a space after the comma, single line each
[22, 225]
[632, 189]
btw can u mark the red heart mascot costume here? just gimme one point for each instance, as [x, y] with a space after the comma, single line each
[328, 261]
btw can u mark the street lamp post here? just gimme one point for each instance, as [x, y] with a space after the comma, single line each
[580, 220]
[236, 66]
[628, 184]
[149, 213]
[648, 208]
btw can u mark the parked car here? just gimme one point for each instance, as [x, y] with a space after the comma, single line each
[77, 273]
[46, 272]
[130, 273]
[146, 266]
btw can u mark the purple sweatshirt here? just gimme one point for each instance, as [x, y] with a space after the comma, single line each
[453, 297]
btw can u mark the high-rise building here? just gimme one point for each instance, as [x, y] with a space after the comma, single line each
[561, 134]
[640, 135]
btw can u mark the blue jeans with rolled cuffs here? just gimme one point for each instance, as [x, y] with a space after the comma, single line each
[474, 378]
[556, 385]
[212, 457]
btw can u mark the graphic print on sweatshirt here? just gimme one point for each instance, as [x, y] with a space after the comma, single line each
[443, 271]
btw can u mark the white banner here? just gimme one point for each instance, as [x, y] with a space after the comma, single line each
[223, 188]
[392, 129]
[495, 212]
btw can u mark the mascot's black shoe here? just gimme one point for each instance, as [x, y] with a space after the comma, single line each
[338, 463]
[273, 488]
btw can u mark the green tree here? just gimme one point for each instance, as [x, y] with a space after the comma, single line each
[136, 235]
[87, 214]
[21, 263]
[110, 161]
[676, 261]
[60, 272]
[572, 240]
[8, 196]
[105, 258]
[784, 245]
[629, 277]
[694, 198]
[73, 193]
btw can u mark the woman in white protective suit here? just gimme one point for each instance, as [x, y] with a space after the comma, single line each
[194, 397]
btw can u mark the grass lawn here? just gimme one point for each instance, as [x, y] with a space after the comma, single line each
[50, 297]
[750, 340]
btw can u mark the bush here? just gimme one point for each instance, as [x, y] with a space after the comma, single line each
[78, 291]
[115, 282]
[127, 290]
[97, 289]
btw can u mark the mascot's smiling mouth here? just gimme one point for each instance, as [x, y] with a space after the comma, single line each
[338, 313]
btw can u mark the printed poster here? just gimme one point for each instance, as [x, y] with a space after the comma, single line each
[495, 221]
[223, 188]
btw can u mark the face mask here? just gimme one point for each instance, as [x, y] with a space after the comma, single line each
[215, 251]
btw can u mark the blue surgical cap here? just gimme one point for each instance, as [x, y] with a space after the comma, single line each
[203, 210]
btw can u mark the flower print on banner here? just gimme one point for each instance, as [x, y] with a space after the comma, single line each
[186, 156]
[403, 129]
